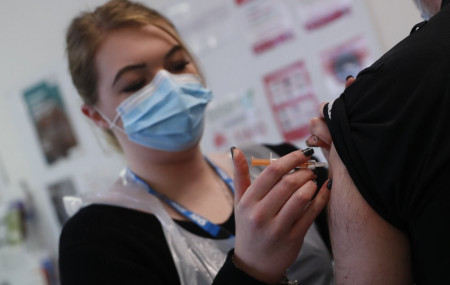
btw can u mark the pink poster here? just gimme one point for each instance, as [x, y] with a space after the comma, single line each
[267, 23]
[291, 96]
[315, 14]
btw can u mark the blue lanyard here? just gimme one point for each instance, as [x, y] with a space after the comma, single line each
[205, 224]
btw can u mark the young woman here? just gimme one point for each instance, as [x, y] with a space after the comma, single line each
[170, 217]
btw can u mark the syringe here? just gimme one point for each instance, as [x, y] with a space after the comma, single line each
[311, 164]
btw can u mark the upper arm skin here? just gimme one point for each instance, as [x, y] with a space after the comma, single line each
[367, 249]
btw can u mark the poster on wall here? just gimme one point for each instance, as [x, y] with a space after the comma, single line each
[315, 14]
[205, 27]
[57, 190]
[290, 94]
[51, 122]
[234, 119]
[343, 60]
[267, 22]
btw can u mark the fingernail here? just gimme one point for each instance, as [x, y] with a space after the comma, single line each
[313, 142]
[308, 151]
[348, 77]
[232, 152]
[330, 184]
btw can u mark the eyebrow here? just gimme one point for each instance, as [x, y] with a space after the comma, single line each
[128, 68]
[172, 51]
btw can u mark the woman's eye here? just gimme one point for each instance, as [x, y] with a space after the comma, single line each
[178, 67]
[134, 87]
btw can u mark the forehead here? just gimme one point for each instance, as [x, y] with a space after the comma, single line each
[132, 45]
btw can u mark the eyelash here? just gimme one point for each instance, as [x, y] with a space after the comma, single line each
[135, 86]
[179, 66]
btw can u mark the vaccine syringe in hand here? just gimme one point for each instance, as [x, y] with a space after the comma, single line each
[311, 164]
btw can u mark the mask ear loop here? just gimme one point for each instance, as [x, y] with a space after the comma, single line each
[112, 123]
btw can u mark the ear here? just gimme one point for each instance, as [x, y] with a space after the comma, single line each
[90, 112]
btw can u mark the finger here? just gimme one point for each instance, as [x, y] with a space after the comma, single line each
[270, 176]
[241, 174]
[349, 81]
[313, 209]
[320, 134]
[276, 199]
[295, 207]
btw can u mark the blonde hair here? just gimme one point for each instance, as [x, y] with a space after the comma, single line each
[87, 31]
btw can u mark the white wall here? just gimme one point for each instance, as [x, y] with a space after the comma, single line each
[393, 19]
[32, 43]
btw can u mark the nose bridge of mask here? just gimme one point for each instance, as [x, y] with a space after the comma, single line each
[162, 76]
[185, 78]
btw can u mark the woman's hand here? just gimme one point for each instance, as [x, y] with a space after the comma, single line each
[273, 214]
[320, 135]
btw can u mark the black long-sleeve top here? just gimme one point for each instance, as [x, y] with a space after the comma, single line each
[105, 244]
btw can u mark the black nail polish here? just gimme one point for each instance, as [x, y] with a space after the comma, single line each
[348, 77]
[330, 184]
[232, 152]
[308, 151]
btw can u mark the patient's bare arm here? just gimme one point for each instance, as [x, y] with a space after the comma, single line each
[367, 249]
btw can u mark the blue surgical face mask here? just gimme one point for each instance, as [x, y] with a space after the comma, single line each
[424, 13]
[167, 114]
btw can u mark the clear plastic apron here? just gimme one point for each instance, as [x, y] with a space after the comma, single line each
[199, 259]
